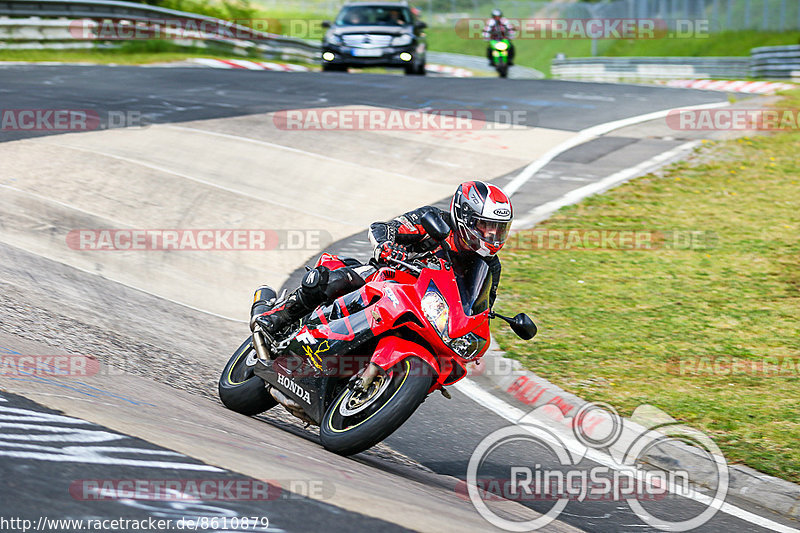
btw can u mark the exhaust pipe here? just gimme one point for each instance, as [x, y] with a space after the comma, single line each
[260, 345]
[292, 406]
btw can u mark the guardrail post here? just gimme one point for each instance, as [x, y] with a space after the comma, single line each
[729, 21]
[782, 21]
[747, 14]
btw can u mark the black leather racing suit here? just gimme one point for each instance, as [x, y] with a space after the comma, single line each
[407, 231]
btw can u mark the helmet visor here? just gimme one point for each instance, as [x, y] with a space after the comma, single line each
[493, 232]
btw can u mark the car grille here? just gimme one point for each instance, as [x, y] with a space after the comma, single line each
[360, 40]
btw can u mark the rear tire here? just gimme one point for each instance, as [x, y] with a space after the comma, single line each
[239, 388]
[395, 401]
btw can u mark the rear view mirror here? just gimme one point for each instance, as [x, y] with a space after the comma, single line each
[326, 23]
[434, 225]
[419, 25]
[523, 326]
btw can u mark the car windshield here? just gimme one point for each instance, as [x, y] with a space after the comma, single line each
[374, 16]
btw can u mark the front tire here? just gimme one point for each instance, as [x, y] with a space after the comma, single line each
[239, 388]
[349, 427]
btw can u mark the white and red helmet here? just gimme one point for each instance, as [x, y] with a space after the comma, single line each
[481, 215]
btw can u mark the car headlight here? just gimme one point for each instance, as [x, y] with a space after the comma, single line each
[501, 46]
[402, 40]
[437, 312]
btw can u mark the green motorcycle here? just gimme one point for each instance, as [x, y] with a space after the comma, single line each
[500, 56]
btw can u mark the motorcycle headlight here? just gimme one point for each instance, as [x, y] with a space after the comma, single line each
[468, 346]
[436, 310]
[501, 46]
[402, 40]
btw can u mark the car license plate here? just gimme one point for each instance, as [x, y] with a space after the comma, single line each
[367, 52]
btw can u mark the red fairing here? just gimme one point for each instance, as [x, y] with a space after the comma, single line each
[392, 350]
[400, 294]
[403, 294]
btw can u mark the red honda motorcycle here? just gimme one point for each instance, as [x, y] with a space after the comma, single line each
[360, 366]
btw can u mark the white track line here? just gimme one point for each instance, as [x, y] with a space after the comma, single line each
[543, 211]
[589, 133]
[513, 415]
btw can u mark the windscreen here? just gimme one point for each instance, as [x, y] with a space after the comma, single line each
[374, 16]
[474, 284]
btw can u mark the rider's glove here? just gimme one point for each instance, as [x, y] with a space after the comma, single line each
[391, 250]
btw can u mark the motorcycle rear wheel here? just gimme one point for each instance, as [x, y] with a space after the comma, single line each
[349, 427]
[239, 388]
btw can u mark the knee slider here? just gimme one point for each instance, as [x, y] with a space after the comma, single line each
[341, 281]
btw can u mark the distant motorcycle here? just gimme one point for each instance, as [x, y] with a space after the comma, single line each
[359, 367]
[500, 56]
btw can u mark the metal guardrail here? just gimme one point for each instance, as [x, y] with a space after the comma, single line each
[481, 64]
[782, 62]
[267, 43]
[649, 68]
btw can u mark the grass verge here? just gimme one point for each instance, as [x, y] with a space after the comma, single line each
[709, 334]
[130, 53]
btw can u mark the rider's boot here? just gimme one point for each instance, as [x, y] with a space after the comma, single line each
[319, 285]
[299, 303]
[263, 299]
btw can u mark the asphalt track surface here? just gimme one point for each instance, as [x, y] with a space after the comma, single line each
[442, 434]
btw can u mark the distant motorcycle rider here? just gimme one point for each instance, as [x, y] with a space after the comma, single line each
[479, 218]
[498, 28]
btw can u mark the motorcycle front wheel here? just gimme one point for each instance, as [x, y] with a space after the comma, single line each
[239, 388]
[358, 420]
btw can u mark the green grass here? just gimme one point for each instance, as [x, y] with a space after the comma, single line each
[614, 324]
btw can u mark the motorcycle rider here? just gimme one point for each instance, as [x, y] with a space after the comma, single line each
[479, 218]
[498, 28]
